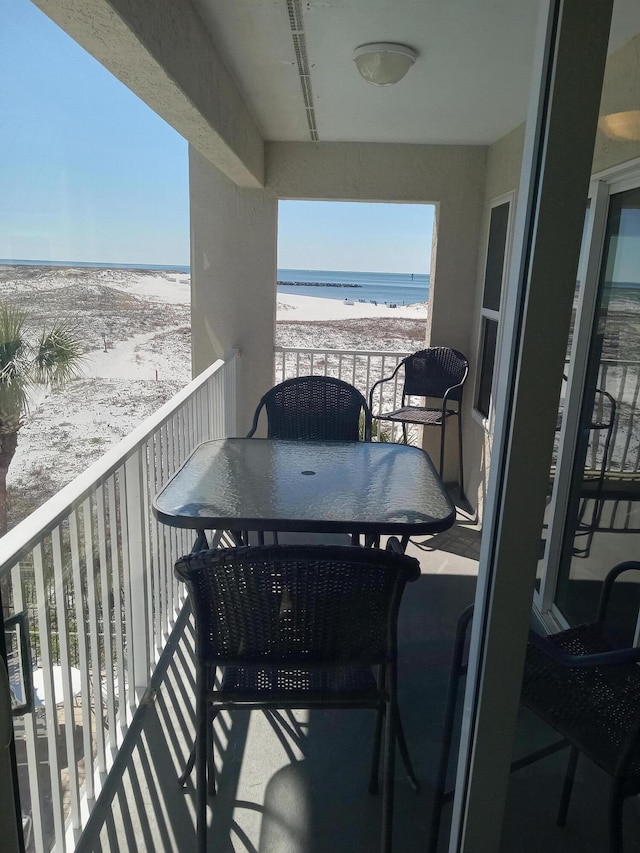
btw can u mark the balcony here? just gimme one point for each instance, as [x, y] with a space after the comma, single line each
[92, 571]
[109, 631]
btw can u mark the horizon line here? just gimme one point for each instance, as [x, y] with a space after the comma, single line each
[147, 265]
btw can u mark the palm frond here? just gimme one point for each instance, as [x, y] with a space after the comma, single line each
[14, 368]
[58, 355]
[54, 360]
[12, 342]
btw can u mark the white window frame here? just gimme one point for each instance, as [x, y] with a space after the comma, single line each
[486, 420]
[604, 184]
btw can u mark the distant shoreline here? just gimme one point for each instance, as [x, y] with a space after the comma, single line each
[317, 284]
[96, 265]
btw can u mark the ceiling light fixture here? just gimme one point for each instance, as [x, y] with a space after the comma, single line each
[382, 63]
[625, 125]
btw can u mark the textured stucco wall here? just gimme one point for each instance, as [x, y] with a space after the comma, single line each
[233, 279]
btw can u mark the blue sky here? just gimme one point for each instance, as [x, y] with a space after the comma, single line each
[89, 173]
[350, 236]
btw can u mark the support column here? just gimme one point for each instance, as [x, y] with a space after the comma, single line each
[233, 280]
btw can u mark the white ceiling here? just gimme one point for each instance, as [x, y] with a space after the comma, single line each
[469, 84]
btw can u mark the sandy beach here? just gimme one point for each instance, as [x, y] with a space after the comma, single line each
[312, 308]
[135, 326]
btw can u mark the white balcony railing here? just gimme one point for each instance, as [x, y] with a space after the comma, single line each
[621, 378]
[362, 369]
[358, 367]
[94, 572]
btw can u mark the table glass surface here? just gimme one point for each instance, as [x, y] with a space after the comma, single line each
[264, 484]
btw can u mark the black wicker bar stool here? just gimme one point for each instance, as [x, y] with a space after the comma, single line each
[298, 627]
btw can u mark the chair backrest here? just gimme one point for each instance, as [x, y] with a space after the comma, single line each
[311, 605]
[604, 406]
[312, 408]
[432, 372]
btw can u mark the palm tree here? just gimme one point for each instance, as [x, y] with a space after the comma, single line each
[52, 360]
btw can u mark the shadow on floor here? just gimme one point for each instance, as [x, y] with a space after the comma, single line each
[297, 783]
[460, 540]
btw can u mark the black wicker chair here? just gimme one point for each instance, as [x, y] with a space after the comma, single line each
[318, 408]
[298, 627]
[437, 373]
[586, 687]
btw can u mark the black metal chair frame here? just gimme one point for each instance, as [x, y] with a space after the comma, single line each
[357, 633]
[433, 373]
[320, 408]
[554, 655]
[604, 418]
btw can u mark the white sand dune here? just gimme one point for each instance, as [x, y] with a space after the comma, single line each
[141, 357]
[160, 287]
[147, 358]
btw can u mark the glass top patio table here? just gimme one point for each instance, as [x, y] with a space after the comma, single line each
[325, 487]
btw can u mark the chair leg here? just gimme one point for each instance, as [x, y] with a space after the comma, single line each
[598, 500]
[211, 767]
[202, 726]
[404, 752]
[402, 746]
[460, 465]
[389, 762]
[375, 759]
[455, 673]
[567, 788]
[443, 428]
[616, 804]
[405, 434]
[211, 764]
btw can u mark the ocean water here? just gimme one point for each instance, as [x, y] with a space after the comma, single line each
[381, 287]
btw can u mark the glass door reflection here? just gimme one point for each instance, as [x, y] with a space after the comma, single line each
[603, 516]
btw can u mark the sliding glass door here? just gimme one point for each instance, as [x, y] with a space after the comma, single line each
[593, 518]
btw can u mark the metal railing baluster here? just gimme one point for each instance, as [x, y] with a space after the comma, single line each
[92, 699]
[29, 721]
[107, 640]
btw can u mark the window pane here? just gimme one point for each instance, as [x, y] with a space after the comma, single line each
[495, 257]
[487, 360]
[603, 523]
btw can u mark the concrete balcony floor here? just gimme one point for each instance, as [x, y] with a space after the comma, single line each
[297, 783]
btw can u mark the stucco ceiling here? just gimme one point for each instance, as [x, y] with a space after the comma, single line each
[469, 84]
